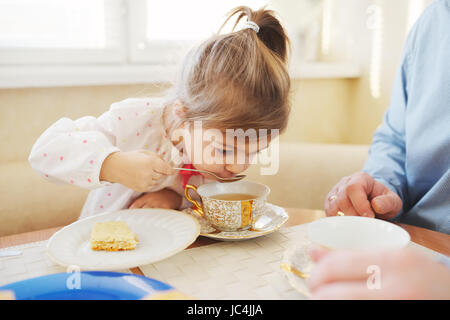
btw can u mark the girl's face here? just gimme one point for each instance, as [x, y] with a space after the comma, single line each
[224, 154]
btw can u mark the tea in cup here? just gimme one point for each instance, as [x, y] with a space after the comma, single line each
[231, 206]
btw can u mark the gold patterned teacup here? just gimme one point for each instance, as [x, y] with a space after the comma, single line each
[231, 206]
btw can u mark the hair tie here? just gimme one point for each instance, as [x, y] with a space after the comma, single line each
[251, 25]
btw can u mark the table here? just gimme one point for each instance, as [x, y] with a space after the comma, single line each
[433, 240]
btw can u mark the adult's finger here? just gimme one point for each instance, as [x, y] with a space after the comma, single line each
[336, 195]
[355, 290]
[342, 265]
[389, 203]
[345, 205]
[330, 204]
[317, 252]
[340, 202]
[359, 198]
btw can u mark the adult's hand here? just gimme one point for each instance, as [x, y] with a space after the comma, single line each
[361, 195]
[380, 274]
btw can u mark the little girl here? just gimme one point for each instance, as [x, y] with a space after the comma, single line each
[127, 155]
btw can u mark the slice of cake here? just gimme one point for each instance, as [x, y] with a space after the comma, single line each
[113, 236]
[7, 295]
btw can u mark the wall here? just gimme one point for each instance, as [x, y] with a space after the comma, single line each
[26, 113]
[321, 110]
[353, 38]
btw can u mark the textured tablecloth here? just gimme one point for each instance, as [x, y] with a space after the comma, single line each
[248, 269]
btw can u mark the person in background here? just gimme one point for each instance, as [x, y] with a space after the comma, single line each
[407, 175]
[406, 178]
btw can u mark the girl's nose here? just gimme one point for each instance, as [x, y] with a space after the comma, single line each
[236, 168]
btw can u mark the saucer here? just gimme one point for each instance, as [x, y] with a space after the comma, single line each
[296, 264]
[272, 218]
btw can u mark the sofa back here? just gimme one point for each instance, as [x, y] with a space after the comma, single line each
[306, 174]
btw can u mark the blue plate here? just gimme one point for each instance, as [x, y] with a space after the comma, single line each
[95, 285]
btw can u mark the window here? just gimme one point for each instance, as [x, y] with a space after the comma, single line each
[88, 42]
[163, 31]
[99, 31]
[61, 32]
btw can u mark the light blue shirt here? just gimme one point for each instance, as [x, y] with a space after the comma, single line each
[410, 151]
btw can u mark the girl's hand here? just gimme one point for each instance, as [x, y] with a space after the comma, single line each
[139, 170]
[165, 198]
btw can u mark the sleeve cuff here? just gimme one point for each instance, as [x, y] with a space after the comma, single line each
[98, 167]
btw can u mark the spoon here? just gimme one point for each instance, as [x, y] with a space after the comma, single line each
[232, 179]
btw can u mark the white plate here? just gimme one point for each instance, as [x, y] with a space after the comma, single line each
[161, 234]
[271, 220]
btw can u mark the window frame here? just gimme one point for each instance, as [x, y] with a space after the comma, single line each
[135, 61]
[70, 56]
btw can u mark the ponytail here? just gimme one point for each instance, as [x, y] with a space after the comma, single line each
[239, 79]
[270, 32]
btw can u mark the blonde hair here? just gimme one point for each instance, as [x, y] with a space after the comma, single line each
[239, 79]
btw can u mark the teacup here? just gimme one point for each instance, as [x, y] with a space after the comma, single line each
[354, 232]
[231, 206]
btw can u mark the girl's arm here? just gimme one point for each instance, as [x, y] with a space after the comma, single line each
[73, 151]
[86, 152]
